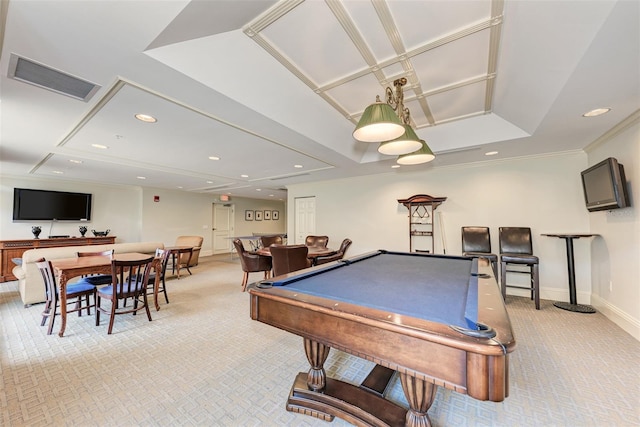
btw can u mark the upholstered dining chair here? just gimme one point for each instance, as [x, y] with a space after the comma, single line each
[251, 263]
[289, 258]
[129, 280]
[318, 241]
[75, 292]
[476, 243]
[516, 249]
[267, 241]
[337, 256]
[196, 243]
[97, 279]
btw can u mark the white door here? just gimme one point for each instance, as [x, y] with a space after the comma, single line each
[222, 228]
[305, 218]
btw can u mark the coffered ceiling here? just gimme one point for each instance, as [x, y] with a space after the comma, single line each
[251, 96]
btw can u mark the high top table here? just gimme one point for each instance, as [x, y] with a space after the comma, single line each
[572, 305]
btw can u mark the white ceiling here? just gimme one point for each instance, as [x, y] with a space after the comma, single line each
[267, 85]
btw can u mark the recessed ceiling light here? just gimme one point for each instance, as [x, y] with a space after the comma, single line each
[58, 172]
[490, 153]
[141, 177]
[214, 158]
[270, 195]
[180, 187]
[75, 161]
[209, 182]
[258, 189]
[100, 146]
[297, 166]
[146, 118]
[596, 112]
[244, 176]
[395, 166]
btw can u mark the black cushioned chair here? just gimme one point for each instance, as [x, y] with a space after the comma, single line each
[516, 249]
[337, 256]
[287, 259]
[476, 242]
[251, 263]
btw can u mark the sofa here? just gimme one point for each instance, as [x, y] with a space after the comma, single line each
[29, 277]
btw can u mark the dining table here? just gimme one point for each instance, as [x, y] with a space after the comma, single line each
[313, 254]
[66, 269]
[176, 254]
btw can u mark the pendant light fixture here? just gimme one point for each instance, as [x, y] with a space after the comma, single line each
[423, 155]
[389, 124]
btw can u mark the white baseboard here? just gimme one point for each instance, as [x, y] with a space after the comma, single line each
[617, 316]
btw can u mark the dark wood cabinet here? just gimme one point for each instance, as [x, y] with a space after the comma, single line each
[10, 249]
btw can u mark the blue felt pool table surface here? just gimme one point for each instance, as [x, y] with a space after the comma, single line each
[441, 289]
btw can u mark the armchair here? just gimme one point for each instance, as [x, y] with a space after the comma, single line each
[251, 263]
[196, 242]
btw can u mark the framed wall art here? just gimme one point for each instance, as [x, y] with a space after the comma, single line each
[248, 215]
[258, 215]
[267, 215]
[275, 215]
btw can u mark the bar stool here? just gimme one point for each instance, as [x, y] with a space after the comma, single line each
[516, 249]
[476, 243]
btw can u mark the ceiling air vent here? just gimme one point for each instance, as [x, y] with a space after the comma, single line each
[28, 71]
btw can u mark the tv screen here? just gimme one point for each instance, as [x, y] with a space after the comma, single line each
[44, 205]
[604, 185]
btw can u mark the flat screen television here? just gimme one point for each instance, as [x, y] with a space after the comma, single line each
[605, 186]
[45, 205]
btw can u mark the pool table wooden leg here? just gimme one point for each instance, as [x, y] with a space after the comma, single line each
[317, 354]
[420, 395]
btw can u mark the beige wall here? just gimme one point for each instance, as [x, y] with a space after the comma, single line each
[118, 208]
[543, 193]
[615, 269]
[133, 216]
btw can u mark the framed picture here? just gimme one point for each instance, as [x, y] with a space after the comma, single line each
[258, 215]
[248, 215]
[275, 215]
[267, 215]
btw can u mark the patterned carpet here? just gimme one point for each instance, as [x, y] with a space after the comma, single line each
[202, 362]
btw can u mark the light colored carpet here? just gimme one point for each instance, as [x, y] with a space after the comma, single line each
[202, 361]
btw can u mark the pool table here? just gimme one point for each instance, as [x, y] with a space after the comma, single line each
[434, 320]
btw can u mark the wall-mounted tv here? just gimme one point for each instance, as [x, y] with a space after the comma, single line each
[605, 186]
[44, 205]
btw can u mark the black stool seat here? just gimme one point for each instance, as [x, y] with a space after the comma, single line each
[516, 249]
[519, 258]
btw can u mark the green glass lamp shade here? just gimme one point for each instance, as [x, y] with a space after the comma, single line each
[408, 142]
[378, 123]
[423, 155]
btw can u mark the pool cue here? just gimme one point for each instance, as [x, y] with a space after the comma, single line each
[444, 241]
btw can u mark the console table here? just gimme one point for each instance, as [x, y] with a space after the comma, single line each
[572, 305]
[10, 249]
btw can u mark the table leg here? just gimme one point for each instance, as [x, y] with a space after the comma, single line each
[420, 395]
[156, 285]
[62, 284]
[314, 394]
[571, 270]
[317, 354]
